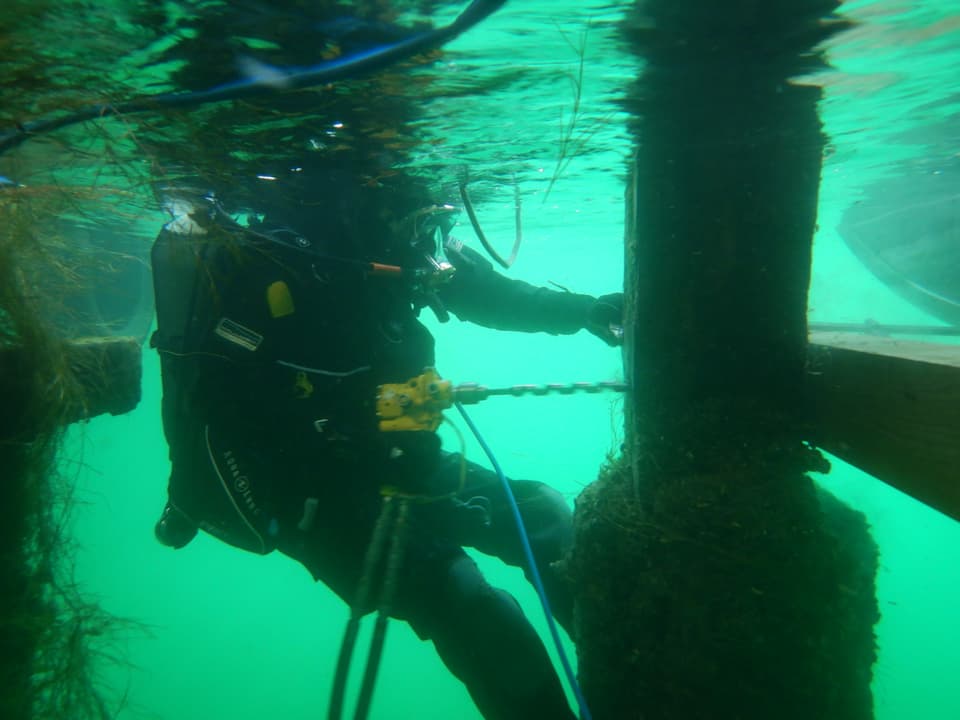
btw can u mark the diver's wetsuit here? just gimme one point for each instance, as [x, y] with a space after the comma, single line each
[271, 354]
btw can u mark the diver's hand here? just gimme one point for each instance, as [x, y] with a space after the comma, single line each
[605, 318]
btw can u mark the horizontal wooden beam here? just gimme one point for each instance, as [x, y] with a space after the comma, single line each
[891, 408]
[110, 370]
[97, 375]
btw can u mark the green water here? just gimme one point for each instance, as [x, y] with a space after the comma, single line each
[231, 635]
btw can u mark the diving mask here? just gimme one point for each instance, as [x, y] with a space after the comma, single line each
[430, 229]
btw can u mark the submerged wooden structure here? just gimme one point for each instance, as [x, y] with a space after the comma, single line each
[72, 287]
[714, 578]
[45, 624]
[892, 408]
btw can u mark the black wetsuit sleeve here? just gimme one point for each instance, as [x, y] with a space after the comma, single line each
[479, 294]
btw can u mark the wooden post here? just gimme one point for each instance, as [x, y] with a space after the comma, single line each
[43, 385]
[714, 580]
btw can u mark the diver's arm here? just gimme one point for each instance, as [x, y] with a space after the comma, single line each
[479, 294]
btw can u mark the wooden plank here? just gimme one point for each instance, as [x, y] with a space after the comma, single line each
[105, 372]
[891, 408]
[939, 353]
[110, 369]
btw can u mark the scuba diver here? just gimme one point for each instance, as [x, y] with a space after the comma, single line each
[275, 331]
[274, 334]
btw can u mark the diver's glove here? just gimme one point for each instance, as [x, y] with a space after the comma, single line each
[605, 318]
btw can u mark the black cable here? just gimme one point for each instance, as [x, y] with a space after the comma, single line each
[392, 576]
[475, 222]
[349, 642]
[370, 563]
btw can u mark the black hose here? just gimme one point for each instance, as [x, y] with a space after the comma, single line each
[370, 563]
[373, 665]
[394, 562]
[475, 222]
[347, 645]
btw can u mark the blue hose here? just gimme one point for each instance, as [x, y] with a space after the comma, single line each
[534, 572]
[352, 66]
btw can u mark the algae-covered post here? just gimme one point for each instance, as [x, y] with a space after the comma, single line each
[715, 580]
[48, 629]
[47, 668]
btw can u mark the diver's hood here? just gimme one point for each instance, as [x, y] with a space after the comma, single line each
[324, 214]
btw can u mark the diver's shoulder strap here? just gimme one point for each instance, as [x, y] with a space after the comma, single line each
[180, 294]
[200, 274]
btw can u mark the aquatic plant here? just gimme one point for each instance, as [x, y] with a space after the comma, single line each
[54, 638]
[573, 138]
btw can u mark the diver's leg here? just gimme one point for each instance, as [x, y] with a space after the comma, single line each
[479, 631]
[482, 636]
[547, 519]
